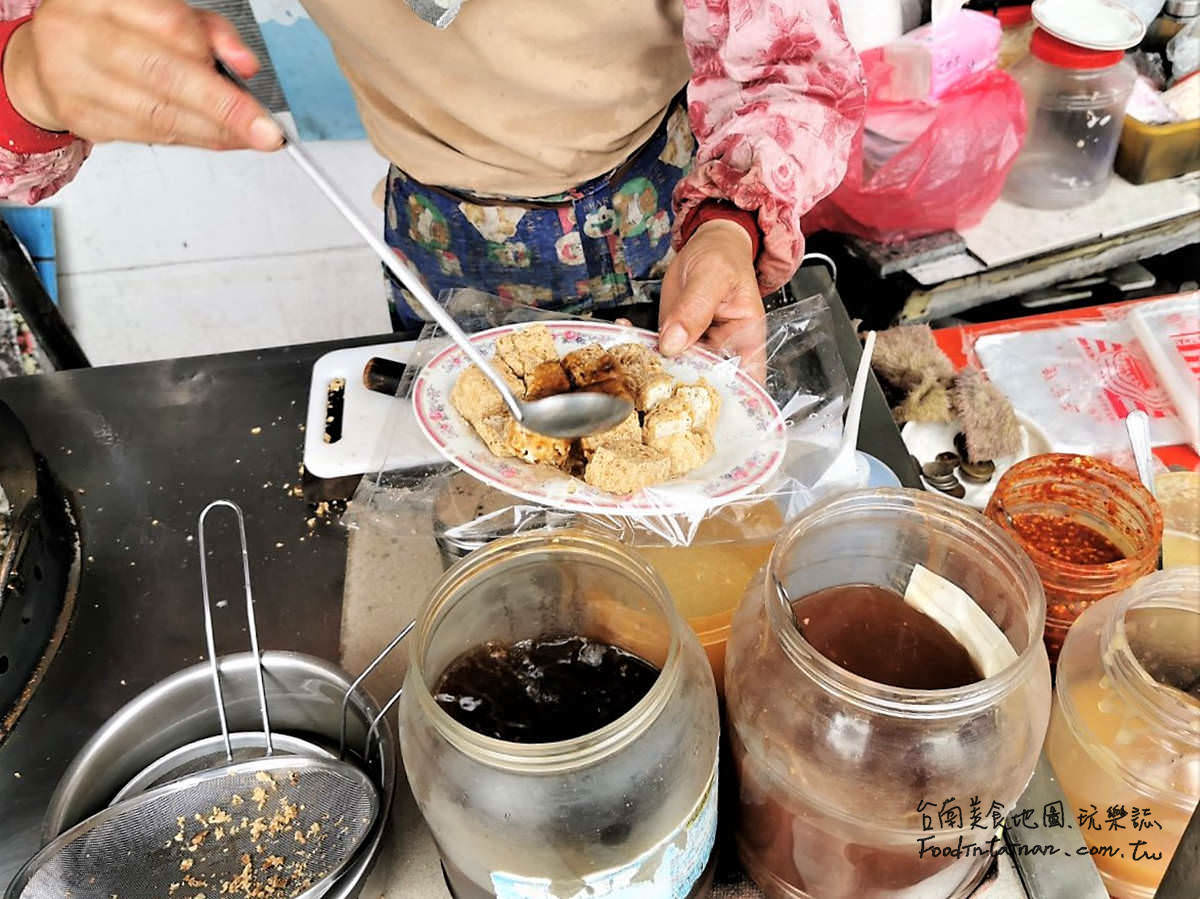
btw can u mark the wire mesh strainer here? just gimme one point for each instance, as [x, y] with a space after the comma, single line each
[282, 826]
[278, 826]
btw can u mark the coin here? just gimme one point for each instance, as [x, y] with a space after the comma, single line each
[978, 472]
[975, 479]
[939, 468]
[957, 490]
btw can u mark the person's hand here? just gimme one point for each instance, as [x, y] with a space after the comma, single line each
[135, 70]
[711, 292]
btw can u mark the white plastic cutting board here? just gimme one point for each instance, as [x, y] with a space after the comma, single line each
[365, 416]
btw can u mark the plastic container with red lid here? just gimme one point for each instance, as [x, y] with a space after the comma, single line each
[1075, 98]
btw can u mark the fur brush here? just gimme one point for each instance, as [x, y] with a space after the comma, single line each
[908, 357]
[988, 420]
[928, 402]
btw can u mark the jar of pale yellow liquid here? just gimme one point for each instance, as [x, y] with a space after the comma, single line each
[1124, 734]
[708, 577]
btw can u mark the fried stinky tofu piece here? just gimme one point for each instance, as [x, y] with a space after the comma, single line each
[493, 431]
[649, 384]
[546, 379]
[703, 401]
[589, 365]
[625, 467]
[535, 448]
[474, 396]
[629, 429]
[526, 349]
[635, 358]
[654, 389]
[688, 451]
[668, 419]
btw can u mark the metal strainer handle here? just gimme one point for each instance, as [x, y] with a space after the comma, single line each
[354, 687]
[250, 622]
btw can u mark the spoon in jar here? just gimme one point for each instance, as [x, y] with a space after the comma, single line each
[1137, 425]
[565, 415]
[844, 466]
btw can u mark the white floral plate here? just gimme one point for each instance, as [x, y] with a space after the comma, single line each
[750, 436]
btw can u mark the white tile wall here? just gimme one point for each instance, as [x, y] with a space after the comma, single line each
[169, 251]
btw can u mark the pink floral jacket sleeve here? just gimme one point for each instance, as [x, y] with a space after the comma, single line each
[776, 96]
[29, 177]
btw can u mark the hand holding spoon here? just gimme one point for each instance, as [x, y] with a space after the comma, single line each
[566, 415]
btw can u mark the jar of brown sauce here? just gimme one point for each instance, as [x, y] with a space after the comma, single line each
[874, 756]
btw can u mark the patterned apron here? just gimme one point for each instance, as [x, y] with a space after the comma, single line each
[585, 249]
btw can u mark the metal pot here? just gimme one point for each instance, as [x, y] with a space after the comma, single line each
[304, 697]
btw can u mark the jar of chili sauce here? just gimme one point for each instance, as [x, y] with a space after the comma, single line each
[1090, 528]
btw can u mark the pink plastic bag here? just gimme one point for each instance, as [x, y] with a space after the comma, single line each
[954, 156]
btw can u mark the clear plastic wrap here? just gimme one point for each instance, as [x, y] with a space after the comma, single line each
[706, 553]
[804, 377]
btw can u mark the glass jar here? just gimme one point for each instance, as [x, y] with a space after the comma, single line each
[708, 577]
[1075, 101]
[850, 788]
[1124, 736]
[633, 802]
[706, 569]
[1091, 493]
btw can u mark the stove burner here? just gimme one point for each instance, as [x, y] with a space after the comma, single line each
[38, 582]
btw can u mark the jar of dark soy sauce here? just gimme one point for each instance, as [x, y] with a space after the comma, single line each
[881, 732]
[559, 725]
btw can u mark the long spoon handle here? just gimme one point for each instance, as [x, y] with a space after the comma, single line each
[387, 256]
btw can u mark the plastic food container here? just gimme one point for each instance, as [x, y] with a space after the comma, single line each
[1075, 100]
[1124, 737]
[633, 802]
[1154, 152]
[843, 781]
[1085, 492]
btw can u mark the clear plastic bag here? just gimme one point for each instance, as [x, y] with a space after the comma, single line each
[804, 376]
[946, 167]
[1077, 377]
[1184, 51]
[409, 525]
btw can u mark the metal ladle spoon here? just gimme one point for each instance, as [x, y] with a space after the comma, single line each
[566, 415]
